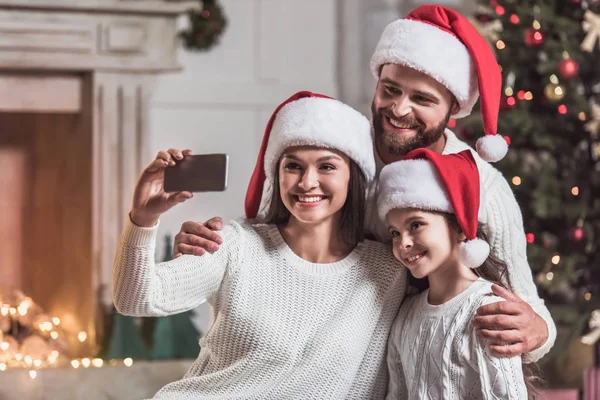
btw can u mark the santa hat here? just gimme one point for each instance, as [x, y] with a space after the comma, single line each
[443, 44]
[308, 119]
[445, 183]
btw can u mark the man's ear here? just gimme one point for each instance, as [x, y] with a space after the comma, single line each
[455, 107]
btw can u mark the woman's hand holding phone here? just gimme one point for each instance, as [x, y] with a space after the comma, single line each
[149, 198]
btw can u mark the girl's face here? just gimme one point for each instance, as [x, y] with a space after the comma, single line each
[425, 242]
[313, 183]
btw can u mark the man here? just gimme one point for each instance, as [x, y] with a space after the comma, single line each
[431, 66]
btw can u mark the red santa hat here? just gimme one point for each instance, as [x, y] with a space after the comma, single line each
[443, 44]
[445, 183]
[308, 119]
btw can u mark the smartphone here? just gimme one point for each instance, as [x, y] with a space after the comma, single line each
[198, 173]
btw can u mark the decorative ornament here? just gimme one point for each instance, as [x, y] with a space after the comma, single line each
[577, 234]
[489, 29]
[507, 102]
[534, 37]
[591, 25]
[206, 25]
[593, 126]
[554, 92]
[594, 335]
[568, 68]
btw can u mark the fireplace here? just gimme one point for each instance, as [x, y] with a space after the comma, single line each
[75, 79]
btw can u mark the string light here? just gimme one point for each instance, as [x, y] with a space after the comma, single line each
[75, 363]
[515, 19]
[508, 91]
[528, 95]
[575, 191]
[500, 45]
[562, 109]
[581, 116]
[97, 362]
[500, 10]
[554, 79]
[536, 25]
[85, 362]
[54, 335]
[2, 367]
[521, 95]
[555, 259]
[516, 180]
[588, 296]
[32, 374]
[82, 336]
[550, 276]
[530, 237]
[128, 362]
[56, 321]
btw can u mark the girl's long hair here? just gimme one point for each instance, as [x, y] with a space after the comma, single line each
[496, 271]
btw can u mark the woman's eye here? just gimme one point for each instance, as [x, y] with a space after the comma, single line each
[394, 234]
[416, 225]
[291, 166]
[328, 167]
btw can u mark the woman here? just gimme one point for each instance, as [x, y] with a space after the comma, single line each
[299, 300]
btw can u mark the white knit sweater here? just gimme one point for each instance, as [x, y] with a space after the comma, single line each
[502, 215]
[283, 328]
[434, 352]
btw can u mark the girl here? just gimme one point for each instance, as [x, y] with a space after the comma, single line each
[431, 204]
[303, 305]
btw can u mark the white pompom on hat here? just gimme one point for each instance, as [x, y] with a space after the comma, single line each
[445, 183]
[443, 44]
[308, 119]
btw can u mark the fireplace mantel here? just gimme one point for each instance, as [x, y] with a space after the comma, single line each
[95, 60]
[103, 35]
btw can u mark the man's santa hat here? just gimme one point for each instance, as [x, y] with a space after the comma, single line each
[443, 44]
[445, 183]
[308, 119]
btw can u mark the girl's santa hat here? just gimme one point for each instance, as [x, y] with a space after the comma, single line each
[445, 183]
[443, 44]
[308, 119]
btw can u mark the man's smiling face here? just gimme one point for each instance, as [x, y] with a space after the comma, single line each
[410, 110]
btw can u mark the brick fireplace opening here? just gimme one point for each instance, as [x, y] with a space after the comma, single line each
[45, 235]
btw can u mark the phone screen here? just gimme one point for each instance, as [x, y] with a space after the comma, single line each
[198, 173]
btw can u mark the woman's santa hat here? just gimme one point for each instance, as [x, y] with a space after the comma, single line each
[443, 44]
[308, 119]
[445, 183]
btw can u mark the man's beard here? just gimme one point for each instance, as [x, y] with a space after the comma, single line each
[396, 144]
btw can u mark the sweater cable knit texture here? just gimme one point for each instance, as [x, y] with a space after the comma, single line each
[435, 353]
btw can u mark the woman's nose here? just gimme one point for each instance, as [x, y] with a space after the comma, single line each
[309, 180]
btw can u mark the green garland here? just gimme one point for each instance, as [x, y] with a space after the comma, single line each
[206, 25]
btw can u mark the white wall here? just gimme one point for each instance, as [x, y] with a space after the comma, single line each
[222, 99]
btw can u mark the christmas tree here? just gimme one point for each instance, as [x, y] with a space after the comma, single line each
[550, 110]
